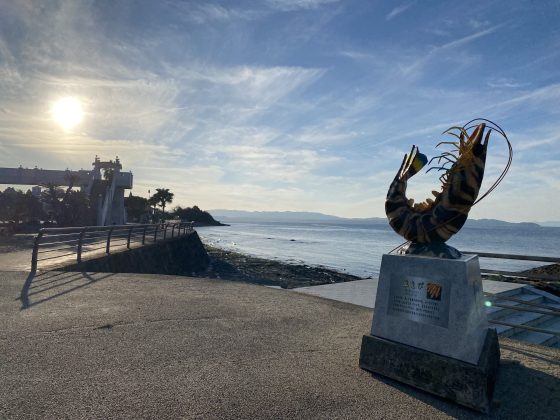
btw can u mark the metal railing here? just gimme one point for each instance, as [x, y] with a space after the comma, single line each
[520, 277]
[58, 244]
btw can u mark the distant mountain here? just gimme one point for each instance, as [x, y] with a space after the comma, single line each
[273, 216]
[493, 223]
[314, 217]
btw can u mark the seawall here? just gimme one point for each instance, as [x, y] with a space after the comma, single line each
[178, 256]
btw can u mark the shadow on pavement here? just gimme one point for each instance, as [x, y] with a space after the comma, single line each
[40, 287]
[534, 353]
[521, 392]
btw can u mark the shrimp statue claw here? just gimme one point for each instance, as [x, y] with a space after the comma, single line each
[427, 225]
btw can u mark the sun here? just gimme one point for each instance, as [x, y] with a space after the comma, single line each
[67, 112]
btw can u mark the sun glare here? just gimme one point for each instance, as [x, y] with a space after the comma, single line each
[67, 112]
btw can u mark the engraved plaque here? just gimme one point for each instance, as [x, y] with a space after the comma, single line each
[419, 299]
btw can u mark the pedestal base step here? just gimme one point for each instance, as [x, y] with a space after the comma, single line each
[464, 383]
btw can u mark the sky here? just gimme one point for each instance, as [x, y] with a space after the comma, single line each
[300, 105]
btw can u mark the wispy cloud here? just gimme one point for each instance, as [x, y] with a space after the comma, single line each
[469, 38]
[477, 24]
[434, 51]
[329, 132]
[290, 5]
[398, 10]
[283, 105]
[504, 83]
[538, 97]
[206, 12]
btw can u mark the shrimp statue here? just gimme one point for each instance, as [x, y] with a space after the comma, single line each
[427, 225]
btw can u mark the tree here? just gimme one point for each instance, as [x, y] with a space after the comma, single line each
[17, 206]
[34, 211]
[194, 214]
[108, 174]
[22, 211]
[162, 197]
[67, 208]
[136, 207]
[11, 205]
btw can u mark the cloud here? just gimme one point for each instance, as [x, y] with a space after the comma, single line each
[356, 55]
[469, 38]
[476, 24]
[414, 68]
[257, 81]
[273, 164]
[330, 131]
[398, 10]
[438, 31]
[291, 5]
[243, 105]
[536, 143]
[504, 83]
[525, 194]
[206, 12]
[539, 95]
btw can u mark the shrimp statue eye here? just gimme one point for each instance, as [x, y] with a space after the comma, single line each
[427, 225]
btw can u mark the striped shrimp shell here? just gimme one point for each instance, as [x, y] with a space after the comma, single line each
[438, 219]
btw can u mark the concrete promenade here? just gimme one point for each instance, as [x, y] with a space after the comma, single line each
[363, 292]
[86, 345]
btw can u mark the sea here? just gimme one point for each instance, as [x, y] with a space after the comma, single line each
[357, 248]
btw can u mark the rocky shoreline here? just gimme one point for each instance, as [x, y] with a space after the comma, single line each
[229, 265]
[550, 285]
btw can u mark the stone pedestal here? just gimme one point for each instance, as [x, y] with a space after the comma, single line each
[464, 383]
[430, 329]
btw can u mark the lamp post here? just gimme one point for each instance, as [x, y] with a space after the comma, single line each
[150, 206]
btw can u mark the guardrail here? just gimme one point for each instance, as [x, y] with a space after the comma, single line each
[53, 244]
[519, 276]
[532, 279]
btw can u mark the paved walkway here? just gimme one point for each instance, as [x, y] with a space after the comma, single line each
[15, 261]
[363, 292]
[86, 345]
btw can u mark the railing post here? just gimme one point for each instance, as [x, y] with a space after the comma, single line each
[155, 232]
[173, 230]
[109, 240]
[34, 256]
[144, 234]
[165, 230]
[129, 235]
[80, 241]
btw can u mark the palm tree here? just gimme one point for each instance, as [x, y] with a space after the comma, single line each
[162, 197]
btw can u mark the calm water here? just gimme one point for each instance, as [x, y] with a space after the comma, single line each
[357, 248]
